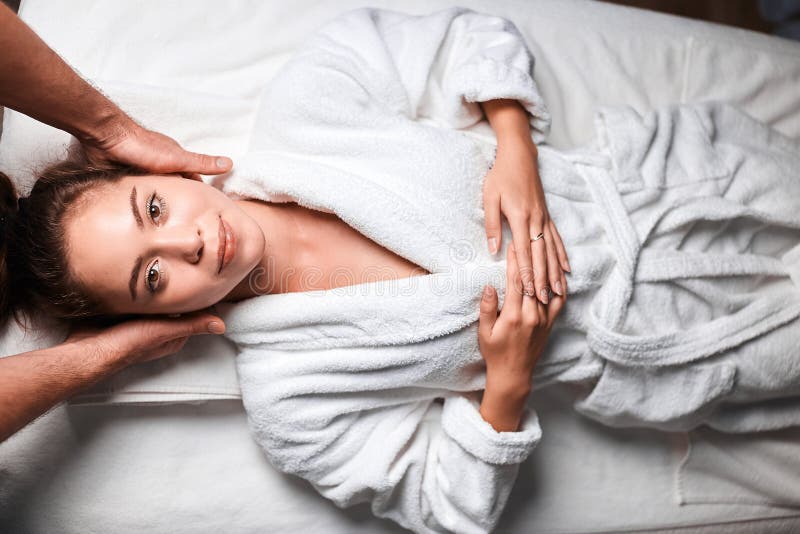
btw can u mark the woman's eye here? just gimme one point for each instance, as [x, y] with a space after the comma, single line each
[153, 276]
[156, 208]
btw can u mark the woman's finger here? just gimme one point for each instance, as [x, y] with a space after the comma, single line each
[553, 309]
[562, 257]
[559, 243]
[488, 312]
[520, 235]
[530, 311]
[512, 304]
[554, 270]
[542, 310]
[539, 250]
[494, 234]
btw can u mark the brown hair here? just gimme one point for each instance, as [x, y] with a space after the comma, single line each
[34, 275]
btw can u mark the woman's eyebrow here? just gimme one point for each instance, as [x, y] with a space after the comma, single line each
[138, 263]
[134, 277]
[135, 209]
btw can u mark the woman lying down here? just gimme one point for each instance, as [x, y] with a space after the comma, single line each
[348, 256]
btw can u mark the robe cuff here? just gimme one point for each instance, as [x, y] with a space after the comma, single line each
[462, 422]
[489, 80]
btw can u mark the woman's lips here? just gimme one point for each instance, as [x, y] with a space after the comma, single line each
[227, 245]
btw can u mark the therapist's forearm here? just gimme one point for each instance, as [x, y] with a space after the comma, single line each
[33, 382]
[35, 81]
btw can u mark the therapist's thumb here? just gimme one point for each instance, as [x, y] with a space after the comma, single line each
[145, 339]
[191, 325]
[205, 164]
[206, 324]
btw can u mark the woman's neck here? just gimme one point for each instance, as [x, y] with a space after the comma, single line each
[283, 231]
[308, 249]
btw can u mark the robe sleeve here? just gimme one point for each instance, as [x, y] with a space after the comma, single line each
[369, 68]
[427, 466]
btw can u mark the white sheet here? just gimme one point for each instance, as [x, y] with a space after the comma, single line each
[164, 458]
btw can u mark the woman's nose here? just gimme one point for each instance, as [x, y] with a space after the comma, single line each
[182, 241]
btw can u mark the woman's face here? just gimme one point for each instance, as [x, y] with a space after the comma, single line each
[152, 244]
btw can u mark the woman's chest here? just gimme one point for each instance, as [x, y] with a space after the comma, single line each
[335, 255]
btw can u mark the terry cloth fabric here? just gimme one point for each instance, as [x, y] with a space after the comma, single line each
[343, 392]
[699, 321]
[375, 119]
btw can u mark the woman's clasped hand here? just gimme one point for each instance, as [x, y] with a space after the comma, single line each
[512, 341]
[512, 186]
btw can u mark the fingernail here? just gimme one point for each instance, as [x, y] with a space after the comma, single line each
[222, 162]
[492, 245]
[529, 289]
[558, 288]
[545, 297]
[215, 327]
[569, 269]
[487, 291]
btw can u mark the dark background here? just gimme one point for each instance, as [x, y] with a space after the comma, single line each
[742, 13]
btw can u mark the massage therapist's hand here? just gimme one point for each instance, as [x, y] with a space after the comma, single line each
[513, 187]
[34, 80]
[140, 340]
[511, 344]
[33, 382]
[130, 144]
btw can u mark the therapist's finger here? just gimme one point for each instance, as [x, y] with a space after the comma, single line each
[193, 324]
[194, 163]
[154, 331]
[170, 347]
[192, 176]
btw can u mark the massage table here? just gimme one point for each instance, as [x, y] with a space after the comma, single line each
[164, 447]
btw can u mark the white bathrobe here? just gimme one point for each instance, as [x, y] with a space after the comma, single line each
[375, 119]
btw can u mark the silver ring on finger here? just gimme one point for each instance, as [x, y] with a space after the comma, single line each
[538, 237]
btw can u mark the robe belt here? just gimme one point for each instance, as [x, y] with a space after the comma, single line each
[607, 313]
